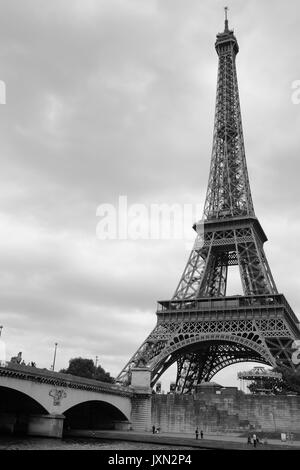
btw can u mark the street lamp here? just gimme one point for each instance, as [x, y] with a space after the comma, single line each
[53, 365]
[96, 362]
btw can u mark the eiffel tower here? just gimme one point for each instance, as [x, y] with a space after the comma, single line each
[201, 328]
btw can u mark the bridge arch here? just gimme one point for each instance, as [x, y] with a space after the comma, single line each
[25, 388]
[16, 408]
[79, 397]
[12, 399]
[94, 414]
[44, 395]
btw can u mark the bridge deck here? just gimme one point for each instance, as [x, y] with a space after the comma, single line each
[35, 374]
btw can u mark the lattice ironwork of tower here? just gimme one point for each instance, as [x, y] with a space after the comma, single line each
[201, 328]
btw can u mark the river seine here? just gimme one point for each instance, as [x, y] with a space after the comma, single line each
[32, 443]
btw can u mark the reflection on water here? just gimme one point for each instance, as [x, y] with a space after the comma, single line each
[37, 443]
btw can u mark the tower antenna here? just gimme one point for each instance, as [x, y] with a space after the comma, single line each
[226, 19]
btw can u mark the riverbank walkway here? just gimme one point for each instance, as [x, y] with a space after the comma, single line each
[230, 441]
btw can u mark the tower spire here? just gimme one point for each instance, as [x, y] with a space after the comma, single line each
[228, 193]
[226, 20]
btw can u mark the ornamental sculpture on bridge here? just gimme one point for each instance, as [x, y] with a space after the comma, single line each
[58, 395]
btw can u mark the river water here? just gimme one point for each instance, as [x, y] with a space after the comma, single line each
[37, 443]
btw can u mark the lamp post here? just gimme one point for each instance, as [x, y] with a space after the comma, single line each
[53, 365]
[96, 362]
[2, 350]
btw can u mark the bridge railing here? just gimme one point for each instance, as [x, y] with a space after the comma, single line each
[57, 378]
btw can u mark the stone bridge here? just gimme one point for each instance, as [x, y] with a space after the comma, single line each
[42, 402]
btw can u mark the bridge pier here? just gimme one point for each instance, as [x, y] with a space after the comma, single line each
[45, 425]
[121, 425]
[7, 423]
[141, 401]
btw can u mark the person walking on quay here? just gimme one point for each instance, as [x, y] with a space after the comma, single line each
[197, 432]
[254, 438]
[201, 434]
[249, 440]
[153, 429]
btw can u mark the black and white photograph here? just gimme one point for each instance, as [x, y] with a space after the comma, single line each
[149, 228]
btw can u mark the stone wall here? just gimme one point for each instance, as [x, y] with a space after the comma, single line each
[141, 413]
[227, 410]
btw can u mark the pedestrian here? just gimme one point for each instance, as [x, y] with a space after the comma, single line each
[197, 433]
[254, 438]
[153, 429]
[249, 440]
[201, 434]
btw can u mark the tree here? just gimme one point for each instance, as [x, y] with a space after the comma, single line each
[86, 368]
[291, 379]
[101, 374]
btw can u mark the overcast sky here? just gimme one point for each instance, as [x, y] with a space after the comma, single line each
[116, 97]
